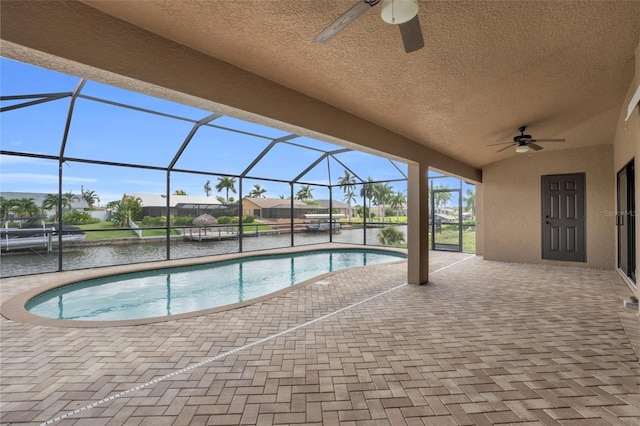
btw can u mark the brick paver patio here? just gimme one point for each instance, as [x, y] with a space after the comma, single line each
[483, 343]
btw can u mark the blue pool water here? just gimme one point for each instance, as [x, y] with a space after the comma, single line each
[172, 291]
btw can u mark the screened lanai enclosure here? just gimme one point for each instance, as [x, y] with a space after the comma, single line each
[94, 175]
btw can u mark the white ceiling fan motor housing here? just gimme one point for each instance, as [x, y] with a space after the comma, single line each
[398, 12]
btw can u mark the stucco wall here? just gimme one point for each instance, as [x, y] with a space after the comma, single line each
[512, 204]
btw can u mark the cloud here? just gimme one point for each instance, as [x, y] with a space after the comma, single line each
[7, 160]
[41, 179]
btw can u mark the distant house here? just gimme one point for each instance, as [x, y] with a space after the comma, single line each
[155, 205]
[278, 208]
[376, 209]
[341, 207]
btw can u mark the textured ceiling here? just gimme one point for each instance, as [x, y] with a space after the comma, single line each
[561, 67]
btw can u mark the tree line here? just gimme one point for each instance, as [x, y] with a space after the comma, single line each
[27, 207]
[379, 193]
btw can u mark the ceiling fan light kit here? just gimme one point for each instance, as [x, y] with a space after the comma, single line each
[398, 12]
[524, 143]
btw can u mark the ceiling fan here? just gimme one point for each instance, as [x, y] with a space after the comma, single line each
[403, 13]
[525, 142]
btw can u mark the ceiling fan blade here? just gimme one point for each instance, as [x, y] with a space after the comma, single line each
[534, 146]
[505, 148]
[501, 143]
[411, 35]
[548, 140]
[348, 17]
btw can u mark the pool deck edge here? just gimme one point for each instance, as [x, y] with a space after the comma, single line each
[13, 308]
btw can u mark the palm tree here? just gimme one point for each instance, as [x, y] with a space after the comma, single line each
[90, 197]
[180, 192]
[50, 202]
[396, 202]
[304, 194]
[441, 198]
[381, 193]
[347, 183]
[367, 193]
[67, 200]
[25, 207]
[257, 191]
[207, 188]
[125, 210]
[470, 202]
[5, 208]
[228, 184]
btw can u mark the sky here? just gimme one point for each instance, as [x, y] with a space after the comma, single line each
[102, 131]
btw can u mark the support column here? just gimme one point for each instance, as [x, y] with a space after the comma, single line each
[418, 227]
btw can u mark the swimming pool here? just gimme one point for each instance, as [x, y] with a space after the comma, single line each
[178, 290]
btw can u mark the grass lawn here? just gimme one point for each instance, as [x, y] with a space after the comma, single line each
[157, 232]
[249, 227]
[106, 231]
[451, 237]
[468, 240]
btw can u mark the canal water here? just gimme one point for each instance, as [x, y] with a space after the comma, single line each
[30, 262]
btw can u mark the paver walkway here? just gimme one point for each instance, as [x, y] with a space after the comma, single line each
[483, 343]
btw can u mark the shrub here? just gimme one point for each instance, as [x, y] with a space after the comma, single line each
[78, 217]
[182, 221]
[224, 220]
[364, 211]
[390, 236]
[449, 228]
[154, 221]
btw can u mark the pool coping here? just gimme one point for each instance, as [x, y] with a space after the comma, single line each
[14, 308]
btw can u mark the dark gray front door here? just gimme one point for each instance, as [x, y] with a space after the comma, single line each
[563, 222]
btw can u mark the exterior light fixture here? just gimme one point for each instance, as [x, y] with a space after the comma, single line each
[398, 11]
[522, 149]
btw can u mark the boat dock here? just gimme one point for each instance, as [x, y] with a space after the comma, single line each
[211, 234]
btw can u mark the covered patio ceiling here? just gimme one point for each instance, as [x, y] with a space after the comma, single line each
[488, 67]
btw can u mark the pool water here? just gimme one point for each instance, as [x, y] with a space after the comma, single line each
[178, 290]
